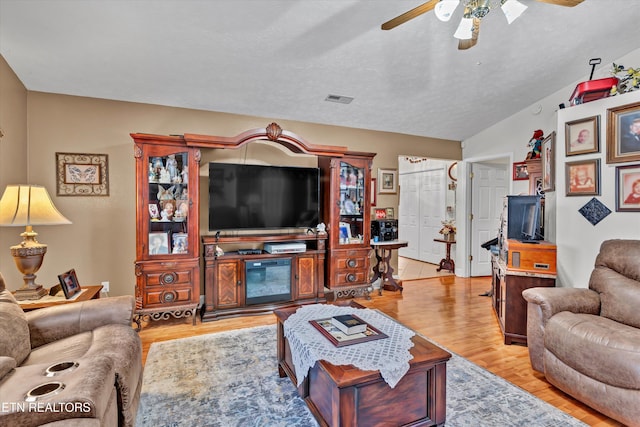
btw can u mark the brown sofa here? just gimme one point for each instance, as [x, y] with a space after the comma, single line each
[587, 341]
[89, 347]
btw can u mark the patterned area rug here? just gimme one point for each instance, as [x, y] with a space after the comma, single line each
[231, 379]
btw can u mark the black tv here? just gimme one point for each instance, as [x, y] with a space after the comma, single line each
[243, 196]
[524, 218]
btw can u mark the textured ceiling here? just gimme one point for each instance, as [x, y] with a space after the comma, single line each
[280, 59]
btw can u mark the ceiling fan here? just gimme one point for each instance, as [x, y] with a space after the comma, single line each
[474, 11]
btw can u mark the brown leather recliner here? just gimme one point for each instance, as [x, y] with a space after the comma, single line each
[587, 341]
[85, 355]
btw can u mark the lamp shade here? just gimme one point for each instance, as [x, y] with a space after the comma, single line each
[512, 9]
[25, 205]
[445, 8]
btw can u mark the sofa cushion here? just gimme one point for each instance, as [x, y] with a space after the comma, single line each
[14, 333]
[65, 350]
[616, 278]
[597, 347]
[7, 364]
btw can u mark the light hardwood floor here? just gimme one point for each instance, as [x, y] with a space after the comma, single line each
[446, 309]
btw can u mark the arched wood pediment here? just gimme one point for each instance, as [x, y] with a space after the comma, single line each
[273, 132]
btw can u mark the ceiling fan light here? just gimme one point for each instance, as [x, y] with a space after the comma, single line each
[445, 8]
[465, 29]
[512, 9]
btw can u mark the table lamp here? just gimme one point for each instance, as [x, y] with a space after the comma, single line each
[29, 205]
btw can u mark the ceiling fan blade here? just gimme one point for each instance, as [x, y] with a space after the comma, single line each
[413, 13]
[469, 43]
[567, 3]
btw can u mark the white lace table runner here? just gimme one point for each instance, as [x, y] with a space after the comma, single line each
[390, 355]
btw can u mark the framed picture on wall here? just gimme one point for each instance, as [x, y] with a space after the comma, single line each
[628, 188]
[583, 178]
[520, 172]
[623, 133]
[582, 136]
[81, 174]
[387, 181]
[548, 163]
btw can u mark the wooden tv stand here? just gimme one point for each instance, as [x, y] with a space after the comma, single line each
[225, 281]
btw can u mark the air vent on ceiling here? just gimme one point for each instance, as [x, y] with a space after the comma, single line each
[339, 98]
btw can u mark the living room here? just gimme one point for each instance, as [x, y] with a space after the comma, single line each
[100, 244]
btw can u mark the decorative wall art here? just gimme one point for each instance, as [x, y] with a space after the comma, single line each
[628, 188]
[582, 136]
[79, 174]
[583, 178]
[594, 211]
[623, 133]
[387, 181]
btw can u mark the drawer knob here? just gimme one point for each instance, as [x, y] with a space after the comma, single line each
[352, 263]
[351, 277]
[169, 297]
[168, 278]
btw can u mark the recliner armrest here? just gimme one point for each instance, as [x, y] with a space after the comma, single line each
[555, 300]
[54, 323]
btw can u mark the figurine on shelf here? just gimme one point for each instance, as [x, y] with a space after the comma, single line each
[535, 143]
[172, 166]
[165, 178]
[165, 193]
[168, 210]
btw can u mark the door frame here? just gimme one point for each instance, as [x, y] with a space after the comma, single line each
[463, 208]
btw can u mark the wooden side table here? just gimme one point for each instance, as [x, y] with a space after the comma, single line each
[383, 268]
[87, 293]
[447, 263]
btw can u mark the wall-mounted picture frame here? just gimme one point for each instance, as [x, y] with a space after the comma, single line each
[81, 174]
[583, 178]
[69, 283]
[158, 243]
[374, 191]
[582, 136]
[623, 133]
[387, 181]
[628, 188]
[520, 171]
[548, 163]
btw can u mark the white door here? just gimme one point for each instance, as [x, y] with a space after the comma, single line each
[408, 215]
[422, 208]
[489, 185]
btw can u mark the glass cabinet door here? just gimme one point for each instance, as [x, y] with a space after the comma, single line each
[352, 203]
[168, 204]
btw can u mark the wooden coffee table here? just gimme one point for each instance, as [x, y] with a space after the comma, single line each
[346, 396]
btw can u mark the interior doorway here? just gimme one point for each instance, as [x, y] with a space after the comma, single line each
[488, 183]
[426, 199]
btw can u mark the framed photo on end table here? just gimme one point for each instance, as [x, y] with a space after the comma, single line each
[69, 283]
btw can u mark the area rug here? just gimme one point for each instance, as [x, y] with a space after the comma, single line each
[231, 379]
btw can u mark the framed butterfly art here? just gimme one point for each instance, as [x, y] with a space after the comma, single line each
[80, 174]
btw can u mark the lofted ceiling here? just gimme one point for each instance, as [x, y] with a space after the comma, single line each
[281, 58]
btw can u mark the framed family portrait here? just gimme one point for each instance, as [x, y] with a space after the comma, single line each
[80, 174]
[583, 178]
[548, 163]
[158, 243]
[69, 283]
[520, 172]
[387, 181]
[623, 133]
[628, 188]
[582, 136]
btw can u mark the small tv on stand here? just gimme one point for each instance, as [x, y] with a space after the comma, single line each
[524, 218]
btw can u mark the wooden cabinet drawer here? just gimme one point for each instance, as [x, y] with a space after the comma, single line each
[352, 262]
[347, 277]
[169, 278]
[167, 295]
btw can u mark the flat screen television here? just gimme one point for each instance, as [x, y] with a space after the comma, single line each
[524, 218]
[243, 196]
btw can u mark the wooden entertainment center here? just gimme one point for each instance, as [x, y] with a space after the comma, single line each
[334, 261]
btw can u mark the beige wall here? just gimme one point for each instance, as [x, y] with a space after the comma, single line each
[13, 157]
[100, 244]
